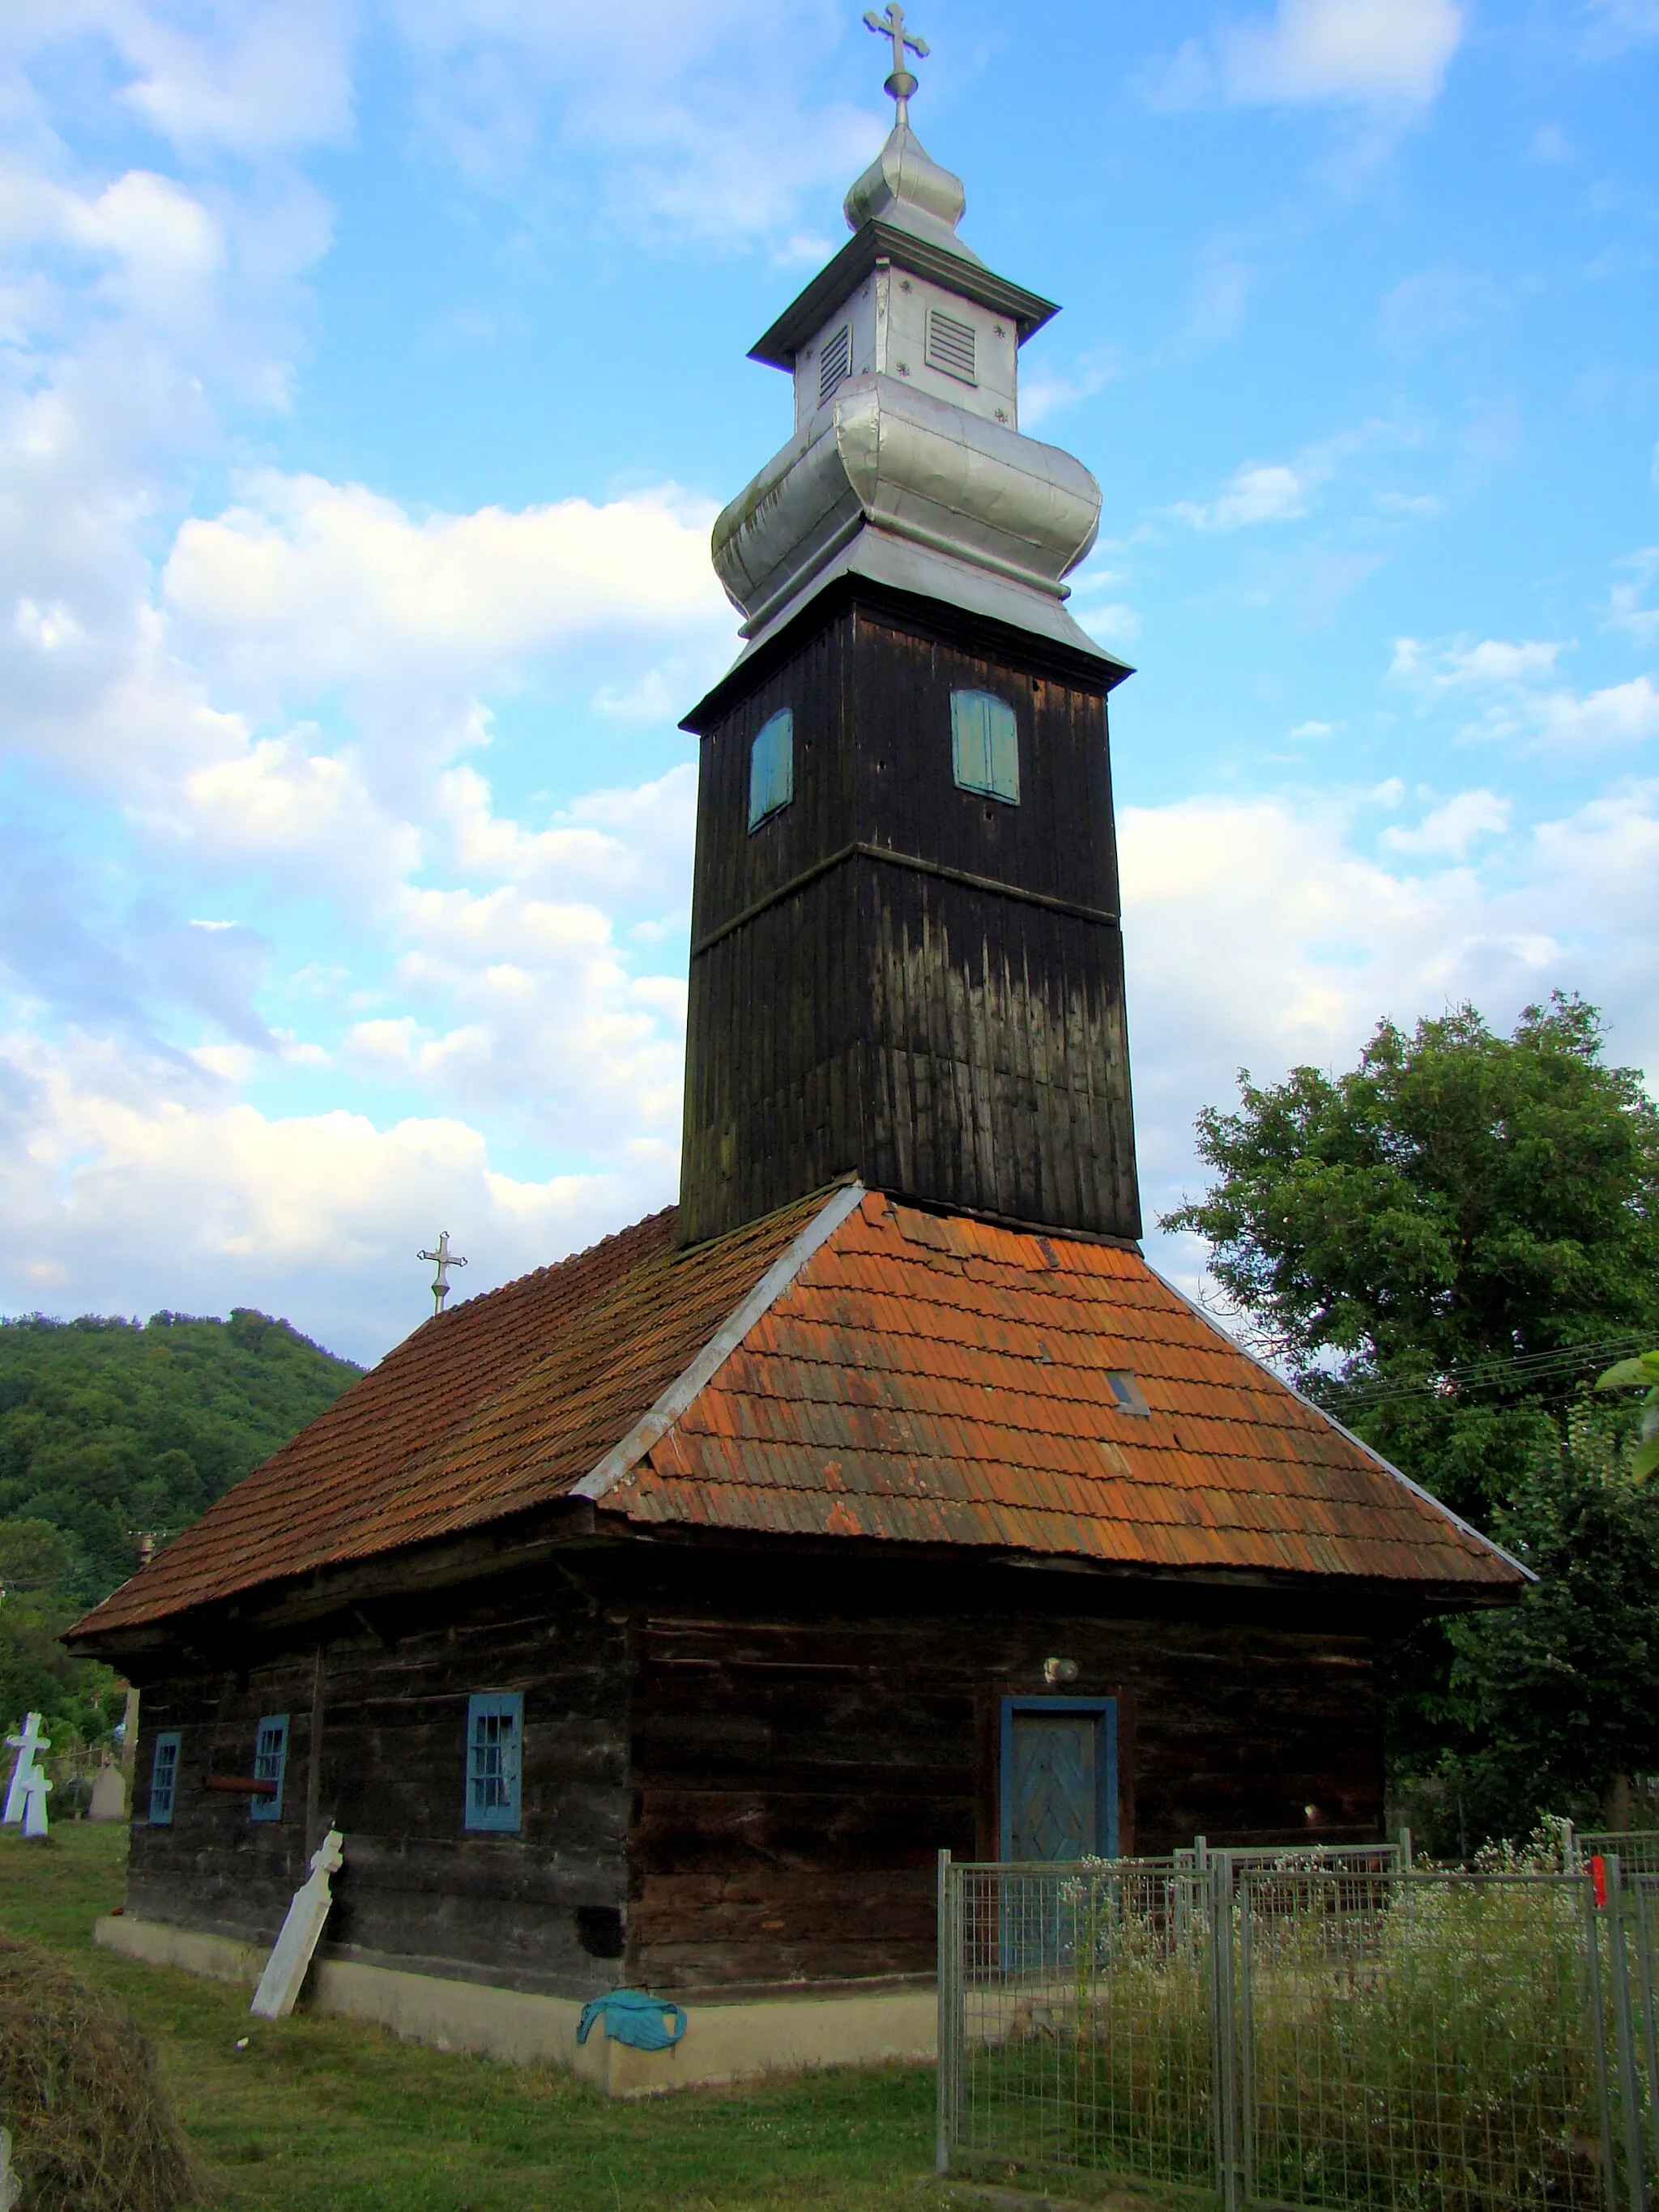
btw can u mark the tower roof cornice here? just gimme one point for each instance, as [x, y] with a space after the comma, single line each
[879, 240]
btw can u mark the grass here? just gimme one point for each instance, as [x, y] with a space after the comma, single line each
[320, 2115]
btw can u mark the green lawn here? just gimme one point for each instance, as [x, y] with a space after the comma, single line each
[326, 2115]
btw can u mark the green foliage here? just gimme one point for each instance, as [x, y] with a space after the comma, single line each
[1458, 1201]
[78, 1697]
[1438, 1243]
[108, 1429]
[1551, 1697]
[1638, 1375]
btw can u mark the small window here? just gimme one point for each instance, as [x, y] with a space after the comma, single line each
[836, 362]
[950, 346]
[985, 744]
[495, 1735]
[1128, 1394]
[772, 768]
[163, 1780]
[270, 1764]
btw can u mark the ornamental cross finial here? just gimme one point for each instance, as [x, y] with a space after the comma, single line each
[446, 1260]
[901, 84]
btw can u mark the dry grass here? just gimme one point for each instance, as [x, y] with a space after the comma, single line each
[91, 2130]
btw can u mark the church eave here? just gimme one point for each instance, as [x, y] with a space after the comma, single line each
[1044, 656]
[886, 242]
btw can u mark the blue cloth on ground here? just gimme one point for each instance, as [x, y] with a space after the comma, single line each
[635, 2016]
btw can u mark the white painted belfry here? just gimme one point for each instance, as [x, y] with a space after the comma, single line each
[908, 464]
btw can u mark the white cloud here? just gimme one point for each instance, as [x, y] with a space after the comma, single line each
[1321, 941]
[1615, 27]
[1520, 709]
[1449, 832]
[1372, 53]
[689, 150]
[1369, 51]
[1258, 492]
[1620, 714]
[305, 582]
[1493, 661]
[1625, 610]
[254, 77]
[129, 1187]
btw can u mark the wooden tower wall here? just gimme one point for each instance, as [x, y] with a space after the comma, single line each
[893, 975]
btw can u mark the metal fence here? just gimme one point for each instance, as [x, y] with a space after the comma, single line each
[1332, 2030]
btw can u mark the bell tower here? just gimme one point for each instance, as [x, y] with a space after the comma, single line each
[906, 953]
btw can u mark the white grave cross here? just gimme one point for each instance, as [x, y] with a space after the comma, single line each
[285, 1969]
[25, 1799]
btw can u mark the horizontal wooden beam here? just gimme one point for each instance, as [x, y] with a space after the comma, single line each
[861, 851]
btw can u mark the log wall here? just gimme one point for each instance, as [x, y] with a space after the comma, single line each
[796, 1770]
[948, 1022]
[540, 1910]
[738, 1772]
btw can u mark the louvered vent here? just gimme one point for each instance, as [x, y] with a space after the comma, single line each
[950, 346]
[836, 360]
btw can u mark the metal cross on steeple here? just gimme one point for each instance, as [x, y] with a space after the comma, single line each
[446, 1260]
[901, 84]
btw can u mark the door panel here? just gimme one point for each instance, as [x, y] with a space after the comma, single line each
[1055, 1782]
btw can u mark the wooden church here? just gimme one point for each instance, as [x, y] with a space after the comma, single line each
[656, 1619]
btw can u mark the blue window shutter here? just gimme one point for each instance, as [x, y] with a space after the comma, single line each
[163, 1779]
[772, 767]
[270, 1764]
[985, 744]
[495, 1753]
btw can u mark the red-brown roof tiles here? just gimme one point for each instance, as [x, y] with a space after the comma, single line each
[921, 1378]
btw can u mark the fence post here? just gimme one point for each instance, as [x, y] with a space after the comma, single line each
[1641, 1897]
[1598, 2036]
[945, 2038]
[1223, 2034]
[1630, 2098]
[1246, 2045]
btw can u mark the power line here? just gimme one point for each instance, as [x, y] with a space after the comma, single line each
[1499, 1371]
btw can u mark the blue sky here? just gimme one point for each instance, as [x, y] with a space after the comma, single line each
[372, 376]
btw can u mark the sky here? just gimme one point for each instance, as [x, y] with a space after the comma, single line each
[371, 375]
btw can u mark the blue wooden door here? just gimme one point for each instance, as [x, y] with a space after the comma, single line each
[1056, 1784]
[1059, 1773]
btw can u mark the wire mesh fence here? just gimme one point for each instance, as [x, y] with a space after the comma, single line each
[1076, 2033]
[1317, 2031]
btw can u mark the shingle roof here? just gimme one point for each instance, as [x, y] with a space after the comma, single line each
[848, 1367]
[937, 1379]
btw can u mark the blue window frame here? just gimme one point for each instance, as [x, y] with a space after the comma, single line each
[495, 1749]
[985, 744]
[269, 1764]
[1059, 1775]
[163, 1779]
[772, 767]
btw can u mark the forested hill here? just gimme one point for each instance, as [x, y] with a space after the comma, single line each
[108, 1429]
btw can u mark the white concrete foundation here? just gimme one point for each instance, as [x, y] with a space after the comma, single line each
[722, 2042]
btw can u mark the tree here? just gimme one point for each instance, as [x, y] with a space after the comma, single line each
[1553, 1699]
[1441, 1245]
[1438, 1242]
[110, 1431]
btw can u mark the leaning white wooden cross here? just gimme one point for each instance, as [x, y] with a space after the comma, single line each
[26, 1799]
[290, 1956]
